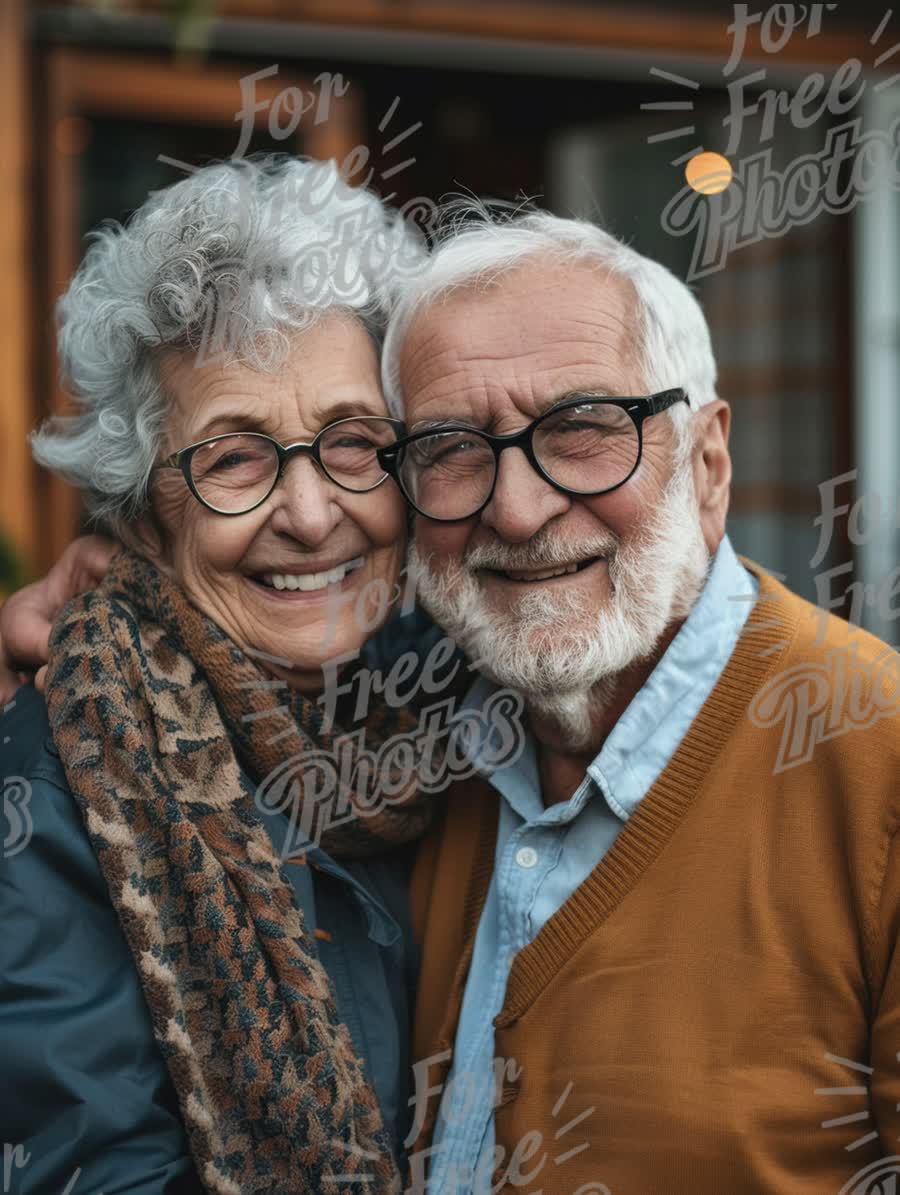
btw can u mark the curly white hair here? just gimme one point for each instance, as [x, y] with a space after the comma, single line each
[236, 258]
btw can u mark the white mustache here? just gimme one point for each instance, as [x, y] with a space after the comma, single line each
[540, 552]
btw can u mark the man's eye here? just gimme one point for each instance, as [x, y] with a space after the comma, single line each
[591, 419]
[442, 450]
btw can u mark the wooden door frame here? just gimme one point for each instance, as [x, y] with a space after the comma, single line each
[644, 30]
[17, 473]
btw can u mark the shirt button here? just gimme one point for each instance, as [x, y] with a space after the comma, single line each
[526, 856]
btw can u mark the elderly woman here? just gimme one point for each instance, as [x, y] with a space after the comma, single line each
[181, 1011]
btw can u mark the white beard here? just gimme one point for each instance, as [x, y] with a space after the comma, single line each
[551, 646]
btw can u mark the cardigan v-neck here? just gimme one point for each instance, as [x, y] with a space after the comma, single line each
[646, 832]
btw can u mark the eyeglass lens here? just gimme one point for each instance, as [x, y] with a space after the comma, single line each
[588, 448]
[235, 473]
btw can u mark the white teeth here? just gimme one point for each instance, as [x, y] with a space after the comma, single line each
[307, 582]
[541, 574]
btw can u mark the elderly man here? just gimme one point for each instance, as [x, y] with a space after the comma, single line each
[671, 956]
[660, 948]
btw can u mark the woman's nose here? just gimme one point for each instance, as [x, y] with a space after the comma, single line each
[305, 503]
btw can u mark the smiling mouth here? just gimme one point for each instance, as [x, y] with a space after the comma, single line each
[309, 582]
[524, 576]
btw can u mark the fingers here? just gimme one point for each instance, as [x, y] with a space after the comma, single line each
[25, 626]
[92, 554]
[82, 566]
[40, 679]
[26, 620]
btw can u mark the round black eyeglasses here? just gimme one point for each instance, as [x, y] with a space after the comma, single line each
[585, 446]
[236, 472]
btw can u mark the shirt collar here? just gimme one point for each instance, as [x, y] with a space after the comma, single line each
[644, 738]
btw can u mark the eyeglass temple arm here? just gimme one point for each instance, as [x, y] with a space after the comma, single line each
[668, 398]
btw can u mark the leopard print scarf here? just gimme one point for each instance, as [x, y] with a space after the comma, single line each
[158, 718]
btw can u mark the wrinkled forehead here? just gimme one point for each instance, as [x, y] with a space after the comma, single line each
[326, 371]
[520, 343]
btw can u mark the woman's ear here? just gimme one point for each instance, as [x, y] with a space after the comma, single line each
[147, 536]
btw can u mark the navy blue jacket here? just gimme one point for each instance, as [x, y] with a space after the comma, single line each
[86, 1103]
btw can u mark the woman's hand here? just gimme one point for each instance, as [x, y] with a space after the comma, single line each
[27, 617]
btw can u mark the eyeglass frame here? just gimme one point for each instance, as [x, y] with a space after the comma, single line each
[638, 408]
[182, 459]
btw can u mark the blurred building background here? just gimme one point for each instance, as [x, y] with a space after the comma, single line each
[592, 109]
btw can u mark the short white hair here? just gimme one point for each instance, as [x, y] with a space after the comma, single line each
[477, 242]
[267, 244]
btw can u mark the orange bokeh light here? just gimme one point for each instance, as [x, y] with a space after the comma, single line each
[708, 173]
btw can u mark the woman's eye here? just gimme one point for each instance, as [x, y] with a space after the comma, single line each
[230, 461]
[239, 460]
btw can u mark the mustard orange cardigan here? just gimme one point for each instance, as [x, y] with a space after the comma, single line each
[721, 996]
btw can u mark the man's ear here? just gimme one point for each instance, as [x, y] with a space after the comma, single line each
[712, 470]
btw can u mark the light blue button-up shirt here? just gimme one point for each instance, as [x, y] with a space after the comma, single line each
[544, 854]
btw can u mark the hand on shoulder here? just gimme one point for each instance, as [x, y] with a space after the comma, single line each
[26, 618]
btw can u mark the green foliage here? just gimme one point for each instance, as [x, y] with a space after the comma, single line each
[190, 20]
[12, 571]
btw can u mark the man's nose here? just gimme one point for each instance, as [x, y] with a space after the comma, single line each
[522, 502]
[305, 503]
